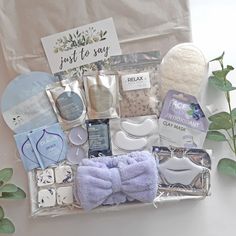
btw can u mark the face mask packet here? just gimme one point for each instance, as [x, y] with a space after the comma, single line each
[102, 94]
[182, 122]
[183, 173]
[139, 83]
[68, 102]
[26, 151]
[98, 138]
[134, 134]
[49, 145]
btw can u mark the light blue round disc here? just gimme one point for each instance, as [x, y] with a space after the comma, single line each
[25, 105]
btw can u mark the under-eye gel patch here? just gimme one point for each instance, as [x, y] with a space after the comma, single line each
[144, 128]
[121, 140]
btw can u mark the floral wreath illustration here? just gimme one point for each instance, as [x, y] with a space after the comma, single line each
[79, 39]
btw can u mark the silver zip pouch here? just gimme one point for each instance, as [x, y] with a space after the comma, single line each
[102, 94]
[139, 83]
[184, 173]
[68, 102]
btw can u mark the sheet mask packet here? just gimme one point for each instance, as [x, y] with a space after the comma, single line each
[49, 145]
[183, 173]
[68, 102]
[182, 122]
[98, 138]
[26, 151]
[139, 82]
[134, 134]
[102, 94]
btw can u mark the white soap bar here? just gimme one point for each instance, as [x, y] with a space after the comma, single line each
[65, 195]
[47, 197]
[63, 174]
[121, 140]
[179, 170]
[145, 128]
[45, 177]
[183, 69]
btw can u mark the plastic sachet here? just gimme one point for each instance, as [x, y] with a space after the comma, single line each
[139, 83]
[98, 138]
[182, 122]
[102, 94]
[183, 173]
[134, 133]
[68, 102]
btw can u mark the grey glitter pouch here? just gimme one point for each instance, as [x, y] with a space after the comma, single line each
[139, 83]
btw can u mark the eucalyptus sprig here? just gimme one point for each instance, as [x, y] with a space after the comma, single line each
[8, 191]
[222, 126]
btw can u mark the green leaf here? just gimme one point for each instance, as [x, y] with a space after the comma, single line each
[221, 115]
[223, 85]
[220, 120]
[227, 166]
[234, 113]
[6, 226]
[19, 194]
[219, 58]
[1, 213]
[221, 74]
[6, 174]
[218, 126]
[8, 188]
[216, 136]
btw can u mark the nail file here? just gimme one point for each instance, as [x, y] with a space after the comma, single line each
[142, 129]
[179, 170]
[121, 140]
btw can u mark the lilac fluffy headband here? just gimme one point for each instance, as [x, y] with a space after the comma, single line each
[115, 180]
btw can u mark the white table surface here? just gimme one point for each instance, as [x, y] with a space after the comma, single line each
[213, 32]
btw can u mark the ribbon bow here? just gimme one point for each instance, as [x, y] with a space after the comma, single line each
[114, 180]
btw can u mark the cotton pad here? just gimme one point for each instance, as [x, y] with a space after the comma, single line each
[183, 69]
[121, 140]
[147, 127]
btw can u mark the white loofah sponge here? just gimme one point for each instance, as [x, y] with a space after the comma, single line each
[183, 69]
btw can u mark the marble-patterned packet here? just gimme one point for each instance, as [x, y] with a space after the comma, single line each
[184, 173]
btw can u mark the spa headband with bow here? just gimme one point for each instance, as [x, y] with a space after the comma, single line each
[115, 180]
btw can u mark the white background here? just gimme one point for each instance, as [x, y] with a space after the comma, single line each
[213, 26]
